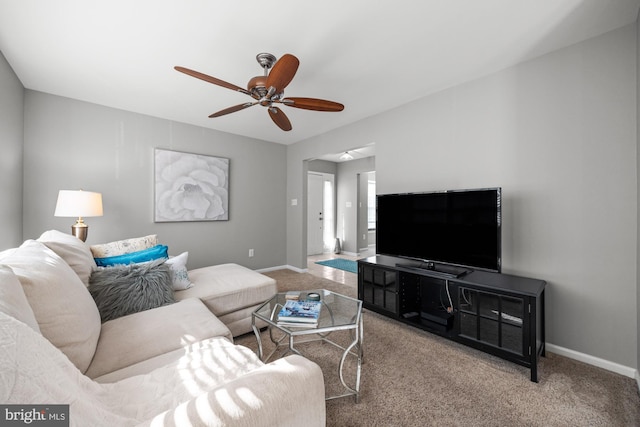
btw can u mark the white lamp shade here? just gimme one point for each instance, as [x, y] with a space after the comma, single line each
[72, 203]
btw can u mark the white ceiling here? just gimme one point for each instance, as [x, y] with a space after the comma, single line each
[370, 56]
[353, 154]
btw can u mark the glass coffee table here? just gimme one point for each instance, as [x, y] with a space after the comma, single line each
[338, 313]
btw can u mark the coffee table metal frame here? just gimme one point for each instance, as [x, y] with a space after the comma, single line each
[338, 313]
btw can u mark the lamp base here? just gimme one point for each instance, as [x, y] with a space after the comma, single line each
[80, 230]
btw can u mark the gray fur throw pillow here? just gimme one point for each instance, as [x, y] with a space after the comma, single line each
[125, 289]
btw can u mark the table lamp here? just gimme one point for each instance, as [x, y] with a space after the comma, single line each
[78, 203]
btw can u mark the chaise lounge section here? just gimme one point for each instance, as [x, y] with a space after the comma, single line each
[232, 292]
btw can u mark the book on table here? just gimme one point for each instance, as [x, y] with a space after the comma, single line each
[292, 295]
[298, 325]
[299, 313]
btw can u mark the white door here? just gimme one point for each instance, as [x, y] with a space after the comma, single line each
[315, 225]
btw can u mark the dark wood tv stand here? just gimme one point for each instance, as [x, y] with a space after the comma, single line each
[496, 313]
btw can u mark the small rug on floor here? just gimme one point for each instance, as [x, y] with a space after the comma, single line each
[341, 264]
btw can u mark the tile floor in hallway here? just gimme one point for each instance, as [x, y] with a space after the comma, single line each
[334, 274]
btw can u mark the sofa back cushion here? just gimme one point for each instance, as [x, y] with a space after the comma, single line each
[65, 312]
[74, 251]
[13, 301]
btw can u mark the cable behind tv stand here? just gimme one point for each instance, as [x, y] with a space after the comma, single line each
[433, 269]
[499, 314]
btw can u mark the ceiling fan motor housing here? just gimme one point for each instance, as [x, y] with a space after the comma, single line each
[257, 87]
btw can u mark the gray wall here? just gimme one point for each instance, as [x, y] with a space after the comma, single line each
[69, 144]
[638, 218]
[558, 134]
[11, 135]
[323, 166]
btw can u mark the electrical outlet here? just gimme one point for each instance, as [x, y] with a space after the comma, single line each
[250, 253]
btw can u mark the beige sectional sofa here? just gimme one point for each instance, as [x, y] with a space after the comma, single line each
[171, 365]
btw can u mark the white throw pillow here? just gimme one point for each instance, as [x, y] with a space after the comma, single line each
[66, 313]
[121, 247]
[71, 249]
[179, 273]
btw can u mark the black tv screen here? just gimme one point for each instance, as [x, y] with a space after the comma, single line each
[459, 227]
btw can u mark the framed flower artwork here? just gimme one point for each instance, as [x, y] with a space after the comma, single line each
[190, 187]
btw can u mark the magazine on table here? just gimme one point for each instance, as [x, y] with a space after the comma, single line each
[300, 312]
[298, 324]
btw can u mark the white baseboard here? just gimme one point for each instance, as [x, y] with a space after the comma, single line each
[349, 253]
[283, 267]
[638, 380]
[296, 269]
[595, 361]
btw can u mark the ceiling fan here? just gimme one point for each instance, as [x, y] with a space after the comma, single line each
[268, 90]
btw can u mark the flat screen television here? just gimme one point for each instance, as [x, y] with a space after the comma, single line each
[457, 227]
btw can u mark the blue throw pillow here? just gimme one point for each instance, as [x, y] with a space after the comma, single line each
[156, 252]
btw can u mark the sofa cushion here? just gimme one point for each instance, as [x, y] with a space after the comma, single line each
[74, 251]
[179, 273]
[287, 392]
[125, 289]
[5, 253]
[125, 246]
[62, 305]
[137, 337]
[150, 254]
[226, 288]
[144, 367]
[13, 301]
[186, 357]
[239, 322]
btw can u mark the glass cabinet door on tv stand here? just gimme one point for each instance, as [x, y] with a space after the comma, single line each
[492, 319]
[379, 288]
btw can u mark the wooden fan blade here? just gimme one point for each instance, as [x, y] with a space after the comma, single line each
[313, 104]
[280, 119]
[210, 79]
[233, 109]
[282, 72]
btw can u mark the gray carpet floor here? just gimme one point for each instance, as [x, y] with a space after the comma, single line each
[413, 378]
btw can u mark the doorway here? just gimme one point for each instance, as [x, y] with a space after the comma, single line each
[320, 213]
